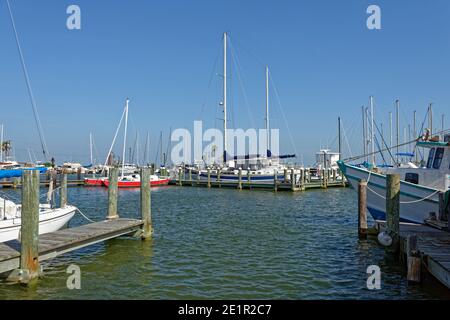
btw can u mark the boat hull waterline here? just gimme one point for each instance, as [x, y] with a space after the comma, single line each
[416, 201]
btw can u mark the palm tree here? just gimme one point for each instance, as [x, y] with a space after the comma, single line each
[6, 147]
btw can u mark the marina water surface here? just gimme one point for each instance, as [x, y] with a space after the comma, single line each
[228, 244]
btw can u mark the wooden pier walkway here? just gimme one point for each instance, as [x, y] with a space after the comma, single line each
[432, 248]
[21, 262]
[51, 245]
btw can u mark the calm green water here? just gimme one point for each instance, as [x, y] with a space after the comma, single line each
[221, 243]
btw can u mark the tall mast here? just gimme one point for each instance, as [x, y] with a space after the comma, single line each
[125, 136]
[442, 125]
[224, 97]
[90, 147]
[339, 138]
[267, 111]
[415, 135]
[364, 131]
[160, 148]
[397, 111]
[430, 119]
[372, 131]
[1, 143]
[390, 135]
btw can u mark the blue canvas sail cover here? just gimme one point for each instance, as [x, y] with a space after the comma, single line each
[14, 173]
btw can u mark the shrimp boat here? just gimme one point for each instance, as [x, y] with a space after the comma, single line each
[50, 219]
[134, 181]
[419, 187]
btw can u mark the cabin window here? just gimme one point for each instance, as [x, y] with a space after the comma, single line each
[430, 158]
[412, 177]
[438, 158]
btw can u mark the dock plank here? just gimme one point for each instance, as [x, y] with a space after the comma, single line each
[67, 240]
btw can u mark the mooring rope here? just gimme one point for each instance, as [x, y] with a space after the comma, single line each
[90, 220]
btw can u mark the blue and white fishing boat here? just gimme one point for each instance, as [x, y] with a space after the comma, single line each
[419, 187]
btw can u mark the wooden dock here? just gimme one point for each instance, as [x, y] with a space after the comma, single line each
[21, 262]
[292, 180]
[42, 183]
[432, 249]
[281, 186]
[419, 246]
[60, 242]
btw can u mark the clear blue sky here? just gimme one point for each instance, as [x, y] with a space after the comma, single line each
[324, 61]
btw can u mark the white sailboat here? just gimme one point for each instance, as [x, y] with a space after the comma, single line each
[261, 167]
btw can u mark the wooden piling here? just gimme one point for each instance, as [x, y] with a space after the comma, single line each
[113, 193]
[209, 178]
[180, 183]
[362, 209]
[292, 179]
[79, 173]
[413, 259]
[275, 180]
[190, 176]
[146, 209]
[393, 209]
[29, 231]
[218, 177]
[54, 176]
[249, 179]
[240, 179]
[63, 191]
[285, 175]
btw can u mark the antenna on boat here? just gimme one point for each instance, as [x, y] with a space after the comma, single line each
[430, 118]
[125, 137]
[224, 97]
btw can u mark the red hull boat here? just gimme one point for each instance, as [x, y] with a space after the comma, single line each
[93, 181]
[136, 184]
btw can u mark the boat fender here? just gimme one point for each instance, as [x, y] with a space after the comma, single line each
[384, 239]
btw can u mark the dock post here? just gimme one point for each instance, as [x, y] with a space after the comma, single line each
[362, 209]
[218, 177]
[240, 179]
[275, 180]
[190, 176]
[249, 179]
[209, 177]
[285, 175]
[198, 177]
[79, 174]
[292, 179]
[29, 231]
[308, 172]
[413, 259]
[303, 179]
[180, 183]
[334, 175]
[54, 177]
[146, 208]
[393, 209]
[63, 192]
[112, 193]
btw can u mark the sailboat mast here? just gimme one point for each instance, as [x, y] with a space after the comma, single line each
[267, 111]
[1, 143]
[125, 137]
[364, 131]
[390, 134]
[397, 110]
[90, 147]
[372, 130]
[224, 97]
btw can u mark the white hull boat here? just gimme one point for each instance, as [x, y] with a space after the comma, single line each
[419, 187]
[50, 219]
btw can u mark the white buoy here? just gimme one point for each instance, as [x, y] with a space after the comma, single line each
[384, 239]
